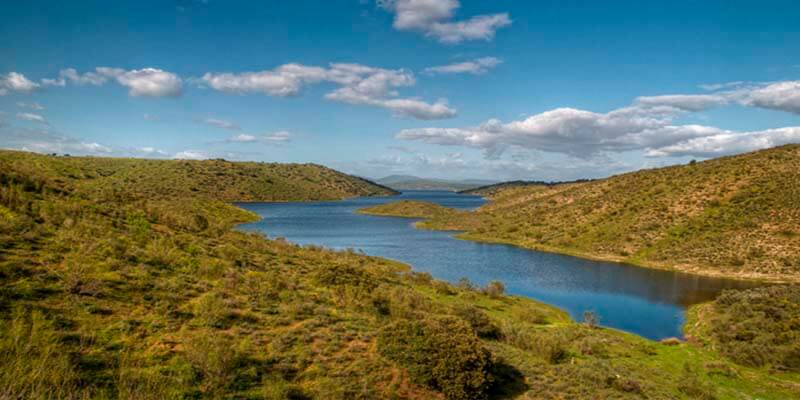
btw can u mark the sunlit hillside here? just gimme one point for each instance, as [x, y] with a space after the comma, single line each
[114, 294]
[734, 216]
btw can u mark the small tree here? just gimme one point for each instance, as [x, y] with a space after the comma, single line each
[591, 319]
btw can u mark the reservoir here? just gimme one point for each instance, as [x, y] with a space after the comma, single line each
[647, 302]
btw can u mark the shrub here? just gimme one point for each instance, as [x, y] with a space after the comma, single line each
[441, 353]
[444, 288]
[759, 327]
[215, 357]
[691, 385]
[210, 310]
[495, 289]
[480, 323]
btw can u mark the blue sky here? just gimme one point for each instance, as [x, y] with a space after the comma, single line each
[438, 88]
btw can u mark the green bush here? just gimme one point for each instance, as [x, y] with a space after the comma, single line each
[759, 327]
[480, 323]
[439, 352]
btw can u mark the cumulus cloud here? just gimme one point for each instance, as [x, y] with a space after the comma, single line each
[725, 142]
[88, 78]
[221, 123]
[434, 18]
[646, 126]
[32, 118]
[16, 82]
[564, 130]
[782, 96]
[147, 82]
[474, 67]
[358, 84]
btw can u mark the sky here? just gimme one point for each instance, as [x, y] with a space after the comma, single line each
[501, 89]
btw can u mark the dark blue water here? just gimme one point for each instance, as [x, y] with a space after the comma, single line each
[647, 302]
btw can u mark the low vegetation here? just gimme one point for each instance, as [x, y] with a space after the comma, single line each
[757, 328]
[734, 216]
[125, 279]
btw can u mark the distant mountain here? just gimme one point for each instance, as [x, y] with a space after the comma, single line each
[410, 182]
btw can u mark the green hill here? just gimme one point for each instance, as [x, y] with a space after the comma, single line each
[123, 279]
[734, 216]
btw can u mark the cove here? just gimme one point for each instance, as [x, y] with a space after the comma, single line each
[647, 302]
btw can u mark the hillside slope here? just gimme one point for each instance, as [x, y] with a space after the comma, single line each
[735, 216]
[143, 291]
[218, 179]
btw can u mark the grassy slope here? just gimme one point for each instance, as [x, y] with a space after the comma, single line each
[143, 291]
[735, 216]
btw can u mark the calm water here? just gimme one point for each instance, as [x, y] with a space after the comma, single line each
[647, 302]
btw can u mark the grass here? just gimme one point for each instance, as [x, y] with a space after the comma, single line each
[114, 284]
[734, 217]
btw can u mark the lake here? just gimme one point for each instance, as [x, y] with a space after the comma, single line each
[647, 302]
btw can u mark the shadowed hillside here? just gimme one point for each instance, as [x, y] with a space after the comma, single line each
[734, 216]
[123, 279]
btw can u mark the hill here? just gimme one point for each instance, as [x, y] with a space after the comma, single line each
[124, 279]
[734, 216]
[492, 189]
[410, 182]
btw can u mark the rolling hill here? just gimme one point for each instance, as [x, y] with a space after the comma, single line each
[735, 216]
[124, 279]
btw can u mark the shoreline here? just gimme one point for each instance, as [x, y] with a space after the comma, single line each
[690, 270]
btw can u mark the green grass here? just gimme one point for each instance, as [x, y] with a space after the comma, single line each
[115, 284]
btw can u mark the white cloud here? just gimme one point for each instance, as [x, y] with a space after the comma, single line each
[16, 82]
[686, 102]
[273, 138]
[564, 130]
[32, 117]
[243, 138]
[150, 152]
[285, 80]
[433, 18]
[221, 123]
[151, 117]
[192, 155]
[33, 106]
[147, 82]
[729, 142]
[646, 126]
[88, 78]
[45, 141]
[782, 96]
[279, 137]
[474, 67]
[719, 86]
[358, 84]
